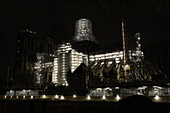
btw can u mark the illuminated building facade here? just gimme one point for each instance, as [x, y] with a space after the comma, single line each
[43, 68]
[99, 62]
[35, 55]
[67, 57]
[30, 43]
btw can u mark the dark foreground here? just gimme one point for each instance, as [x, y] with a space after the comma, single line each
[129, 105]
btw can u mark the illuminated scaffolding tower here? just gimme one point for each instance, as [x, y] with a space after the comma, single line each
[138, 70]
[83, 31]
[39, 67]
[43, 68]
[138, 42]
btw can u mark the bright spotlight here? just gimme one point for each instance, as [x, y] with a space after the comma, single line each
[117, 98]
[88, 97]
[157, 97]
[62, 97]
[74, 96]
[56, 96]
[104, 97]
[44, 96]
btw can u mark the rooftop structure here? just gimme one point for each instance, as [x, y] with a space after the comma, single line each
[83, 31]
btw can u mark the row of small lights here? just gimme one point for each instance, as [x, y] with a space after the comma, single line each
[56, 96]
[88, 97]
[18, 97]
[62, 97]
[74, 96]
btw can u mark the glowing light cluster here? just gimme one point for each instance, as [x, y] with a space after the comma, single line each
[83, 31]
[112, 55]
[44, 96]
[88, 97]
[118, 98]
[138, 47]
[103, 97]
[40, 67]
[61, 64]
[157, 97]
[74, 96]
[101, 92]
[62, 97]
[55, 71]
[56, 96]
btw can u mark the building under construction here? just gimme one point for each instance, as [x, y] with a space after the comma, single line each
[37, 58]
[104, 65]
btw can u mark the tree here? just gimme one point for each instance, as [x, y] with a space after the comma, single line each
[159, 56]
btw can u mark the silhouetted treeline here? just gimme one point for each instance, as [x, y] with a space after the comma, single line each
[158, 56]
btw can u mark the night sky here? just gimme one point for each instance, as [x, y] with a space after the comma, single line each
[57, 18]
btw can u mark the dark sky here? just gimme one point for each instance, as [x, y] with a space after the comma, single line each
[56, 18]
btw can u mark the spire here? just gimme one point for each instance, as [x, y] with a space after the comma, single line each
[126, 66]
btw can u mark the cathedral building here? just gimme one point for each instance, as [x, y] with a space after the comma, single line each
[39, 64]
[69, 55]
